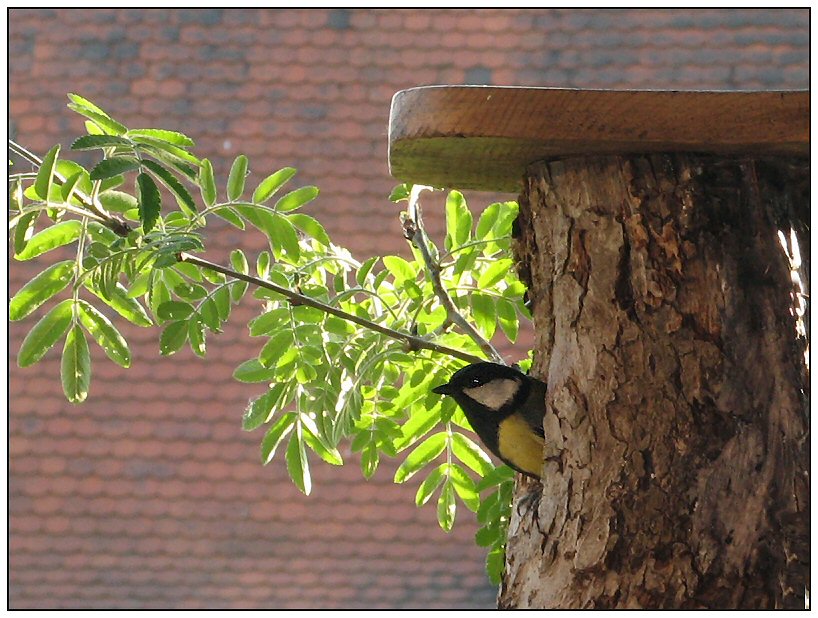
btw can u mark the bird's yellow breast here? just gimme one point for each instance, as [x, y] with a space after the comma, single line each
[519, 444]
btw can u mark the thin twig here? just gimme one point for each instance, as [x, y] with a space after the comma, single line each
[416, 233]
[296, 298]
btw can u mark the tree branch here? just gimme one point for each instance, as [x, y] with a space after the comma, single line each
[416, 234]
[300, 299]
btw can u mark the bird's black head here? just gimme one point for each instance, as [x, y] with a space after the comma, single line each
[491, 385]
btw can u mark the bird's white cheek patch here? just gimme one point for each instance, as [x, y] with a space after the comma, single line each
[495, 394]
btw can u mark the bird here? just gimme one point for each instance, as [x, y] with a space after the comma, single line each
[505, 407]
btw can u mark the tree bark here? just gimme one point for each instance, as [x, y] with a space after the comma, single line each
[677, 403]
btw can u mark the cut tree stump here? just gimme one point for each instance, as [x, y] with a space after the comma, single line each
[664, 240]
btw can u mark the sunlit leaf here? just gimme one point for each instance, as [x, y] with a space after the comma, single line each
[296, 199]
[297, 464]
[45, 175]
[45, 285]
[235, 181]
[75, 367]
[446, 507]
[274, 436]
[430, 485]
[207, 182]
[105, 334]
[425, 452]
[54, 236]
[172, 137]
[45, 334]
[268, 187]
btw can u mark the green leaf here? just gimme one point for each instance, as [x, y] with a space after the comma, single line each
[235, 181]
[268, 187]
[470, 454]
[269, 322]
[365, 269]
[113, 166]
[277, 432]
[128, 308]
[310, 226]
[401, 269]
[296, 199]
[90, 142]
[297, 464]
[102, 120]
[45, 176]
[507, 318]
[458, 220]
[51, 281]
[283, 238]
[222, 299]
[207, 182]
[257, 413]
[23, 232]
[93, 129]
[229, 215]
[100, 233]
[325, 452]
[400, 193]
[182, 195]
[196, 336]
[464, 487]
[419, 423]
[484, 314]
[45, 334]
[263, 264]
[187, 168]
[75, 368]
[173, 338]
[50, 238]
[172, 137]
[239, 261]
[210, 315]
[369, 460]
[496, 564]
[494, 273]
[150, 201]
[430, 485]
[174, 310]
[275, 348]
[67, 189]
[105, 334]
[117, 201]
[85, 103]
[446, 508]
[496, 476]
[487, 220]
[253, 371]
[425, 452]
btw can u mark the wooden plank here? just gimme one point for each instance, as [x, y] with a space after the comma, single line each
[483, 137]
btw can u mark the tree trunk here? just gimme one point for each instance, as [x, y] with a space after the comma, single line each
[663, 307]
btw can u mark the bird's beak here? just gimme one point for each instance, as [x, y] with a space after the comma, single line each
[443, 389]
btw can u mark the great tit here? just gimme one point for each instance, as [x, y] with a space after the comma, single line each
[505, 408]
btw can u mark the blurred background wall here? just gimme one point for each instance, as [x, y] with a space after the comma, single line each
[149, 495]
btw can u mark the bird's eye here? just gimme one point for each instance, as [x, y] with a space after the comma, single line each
[475, 382]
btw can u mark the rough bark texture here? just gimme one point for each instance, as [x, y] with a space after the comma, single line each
[662, 303]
